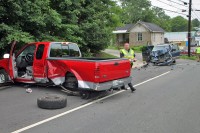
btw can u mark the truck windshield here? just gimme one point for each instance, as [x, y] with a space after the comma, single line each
[64, 50]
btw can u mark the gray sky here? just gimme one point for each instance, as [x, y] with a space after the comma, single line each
[171, 5]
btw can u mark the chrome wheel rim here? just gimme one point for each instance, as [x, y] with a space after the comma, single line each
[2, 78]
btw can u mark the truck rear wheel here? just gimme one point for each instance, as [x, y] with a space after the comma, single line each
[71, 82]
[3, 76]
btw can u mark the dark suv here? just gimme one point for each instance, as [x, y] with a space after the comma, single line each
[164, 54]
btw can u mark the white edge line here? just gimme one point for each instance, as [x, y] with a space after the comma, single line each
[80, 107]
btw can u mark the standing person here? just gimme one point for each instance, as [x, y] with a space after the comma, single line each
[198, 53]
[128, 53]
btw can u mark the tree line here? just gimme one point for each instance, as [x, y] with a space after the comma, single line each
[89, 23]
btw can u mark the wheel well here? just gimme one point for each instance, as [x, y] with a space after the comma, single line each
[69, 74]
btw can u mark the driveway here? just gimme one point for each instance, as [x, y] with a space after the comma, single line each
[136, 64]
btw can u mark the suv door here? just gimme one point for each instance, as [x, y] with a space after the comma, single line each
[175, 51]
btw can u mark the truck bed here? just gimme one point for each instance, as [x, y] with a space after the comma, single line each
[96, 70]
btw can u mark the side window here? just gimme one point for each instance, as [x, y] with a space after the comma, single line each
[74, 50]
[56, 50]
[175, 47]
[29, 49]
[40, 51]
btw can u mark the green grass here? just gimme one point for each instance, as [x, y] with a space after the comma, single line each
[105, 55]
[188, 58]
[114, 47]
[137, 49]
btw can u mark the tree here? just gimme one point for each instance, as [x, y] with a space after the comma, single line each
[179, 24]
[161, 19]
[195, 23]
[87, 22]
[26, 21]
[135, 10]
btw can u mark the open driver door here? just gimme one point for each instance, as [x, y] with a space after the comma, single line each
[12, 62]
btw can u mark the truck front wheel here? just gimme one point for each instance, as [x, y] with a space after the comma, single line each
[3, 76]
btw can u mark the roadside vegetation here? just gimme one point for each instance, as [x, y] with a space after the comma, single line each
[105, 55]
[188, 58]
[137, 49]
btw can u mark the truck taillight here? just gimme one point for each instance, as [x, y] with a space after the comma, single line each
[97, 72]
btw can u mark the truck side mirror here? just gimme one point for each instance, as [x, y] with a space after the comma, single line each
[6, 56]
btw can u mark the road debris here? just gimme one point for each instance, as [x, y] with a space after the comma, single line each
[29, 90]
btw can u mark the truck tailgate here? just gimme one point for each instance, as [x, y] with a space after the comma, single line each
[113, 69]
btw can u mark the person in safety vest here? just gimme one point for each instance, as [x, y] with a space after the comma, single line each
[198, 53]
[128, 53]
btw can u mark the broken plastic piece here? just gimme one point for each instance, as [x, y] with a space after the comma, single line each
[29, 90]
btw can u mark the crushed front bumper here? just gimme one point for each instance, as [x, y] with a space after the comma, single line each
[85, 85]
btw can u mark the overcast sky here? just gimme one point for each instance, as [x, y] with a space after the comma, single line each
[172, 5]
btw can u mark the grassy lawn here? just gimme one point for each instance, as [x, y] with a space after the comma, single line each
[137, 49]
[105, 55]
[188, 58]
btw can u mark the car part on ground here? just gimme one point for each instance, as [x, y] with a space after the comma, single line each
[52, 102]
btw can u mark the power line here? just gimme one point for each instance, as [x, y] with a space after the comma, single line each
[169, 4]
[196, 15]
[171, 11]
[185, 3]
[177, 3]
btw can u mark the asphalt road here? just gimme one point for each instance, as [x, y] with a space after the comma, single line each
[166, 104]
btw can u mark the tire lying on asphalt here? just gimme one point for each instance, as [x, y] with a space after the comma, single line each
[52, 102]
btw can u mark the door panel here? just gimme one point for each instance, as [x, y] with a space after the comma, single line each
[39, 64]
[12, 63]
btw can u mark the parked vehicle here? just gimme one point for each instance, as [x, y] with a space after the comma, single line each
[60, 63]
[165, 54]
[184, 51]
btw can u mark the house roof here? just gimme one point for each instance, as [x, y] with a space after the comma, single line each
[125, 27]
[150, 26]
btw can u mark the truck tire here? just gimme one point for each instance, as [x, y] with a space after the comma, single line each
[71, 82]
[52, 102]
[85, 94]
[3, 76]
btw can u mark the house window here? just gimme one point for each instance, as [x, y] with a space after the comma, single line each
[139, 36]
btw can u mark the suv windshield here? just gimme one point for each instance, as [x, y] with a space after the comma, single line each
[64, 50]
[163, 48]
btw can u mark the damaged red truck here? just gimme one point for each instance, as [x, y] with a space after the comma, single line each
[61, 64]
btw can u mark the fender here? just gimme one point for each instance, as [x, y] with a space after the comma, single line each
[4, 64]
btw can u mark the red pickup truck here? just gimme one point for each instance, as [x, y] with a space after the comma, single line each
[61, 63]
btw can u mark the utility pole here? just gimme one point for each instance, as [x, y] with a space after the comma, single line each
[189, 26]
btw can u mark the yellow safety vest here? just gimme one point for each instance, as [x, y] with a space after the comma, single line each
[128, 55]
[198, 50]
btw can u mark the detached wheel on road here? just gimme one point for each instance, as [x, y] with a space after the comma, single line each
[52, 102]
[3, 76]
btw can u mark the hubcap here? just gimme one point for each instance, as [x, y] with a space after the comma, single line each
[2, 78]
